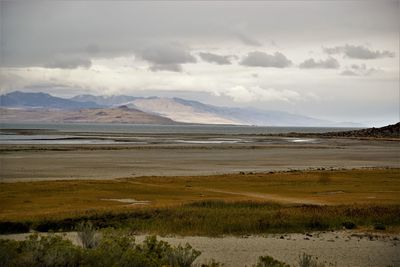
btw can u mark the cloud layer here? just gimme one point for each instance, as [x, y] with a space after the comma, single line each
[166, 57]
[329, 63]
[132, 47]
[69, 63]
[358, 52]
[358, 70]
[261, 59]
[214, 58]
[243, 94]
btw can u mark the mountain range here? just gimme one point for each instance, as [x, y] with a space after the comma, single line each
[161, 110]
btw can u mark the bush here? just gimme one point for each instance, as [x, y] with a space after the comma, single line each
[268, 261]
[117, 249]
[8, 251]
[46, 251]
[183, 256]
[87, 235]
[349, 225]
[13, 227]
[379, 226]
[306, 260]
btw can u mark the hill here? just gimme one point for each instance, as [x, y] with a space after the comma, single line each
[176, 109]
[42, 100]
[106, 115]
[390, 131]
[196, 112]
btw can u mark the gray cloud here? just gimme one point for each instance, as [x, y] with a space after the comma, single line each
[69, 63]
[35, 32]
[166, 57]
[166, 54]
[166, 67]
[358, 52]
[261, 59]
[348, 73]
[214, 58]
[329, 63]
[358, 70]
[248, 40]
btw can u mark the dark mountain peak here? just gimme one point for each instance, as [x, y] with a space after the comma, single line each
[123, 107]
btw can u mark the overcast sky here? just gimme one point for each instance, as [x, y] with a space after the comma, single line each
[336, 60]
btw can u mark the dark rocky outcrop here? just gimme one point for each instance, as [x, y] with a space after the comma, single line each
[390, 131]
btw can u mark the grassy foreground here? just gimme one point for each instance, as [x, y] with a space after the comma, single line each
[212, 205]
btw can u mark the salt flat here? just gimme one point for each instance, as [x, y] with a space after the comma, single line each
[165, 158]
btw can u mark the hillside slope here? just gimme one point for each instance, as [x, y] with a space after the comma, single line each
[42, 100]
[108, 115]
[390, 131]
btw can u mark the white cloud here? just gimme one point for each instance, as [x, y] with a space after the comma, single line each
[242, 94]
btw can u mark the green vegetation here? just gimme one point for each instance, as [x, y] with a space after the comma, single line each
[114, 249]
[213, 218]
[235, 204]
[24, 201]
[268, 261]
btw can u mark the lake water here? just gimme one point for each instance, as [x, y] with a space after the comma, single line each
[96, 133]
[179, 129]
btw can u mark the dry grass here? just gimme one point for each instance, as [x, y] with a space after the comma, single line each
[61, 199]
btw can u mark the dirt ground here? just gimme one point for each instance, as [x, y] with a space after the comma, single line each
[43, 162]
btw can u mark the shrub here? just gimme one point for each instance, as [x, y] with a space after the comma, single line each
[268, 261]
[13, 227]
[183, 256]
[379, 226]
[49, 251]
[114, 249]
[87, 235]
[8, 251]
[349, 225]
[211, 263]
[306, 260]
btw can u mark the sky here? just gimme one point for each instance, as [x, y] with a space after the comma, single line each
[335, 60]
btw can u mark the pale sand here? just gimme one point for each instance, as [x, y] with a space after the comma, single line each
[107, 162]
[343, 248]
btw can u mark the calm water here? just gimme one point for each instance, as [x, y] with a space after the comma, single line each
[167, 129]
[137, 134]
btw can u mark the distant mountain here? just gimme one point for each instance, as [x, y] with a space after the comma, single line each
[106, 115]
[114, 100]
[182, 110]
[176, 109]
[42, 100]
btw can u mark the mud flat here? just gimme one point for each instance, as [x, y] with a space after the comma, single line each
[259, 154]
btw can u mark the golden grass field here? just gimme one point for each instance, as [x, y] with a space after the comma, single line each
[70, 198]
